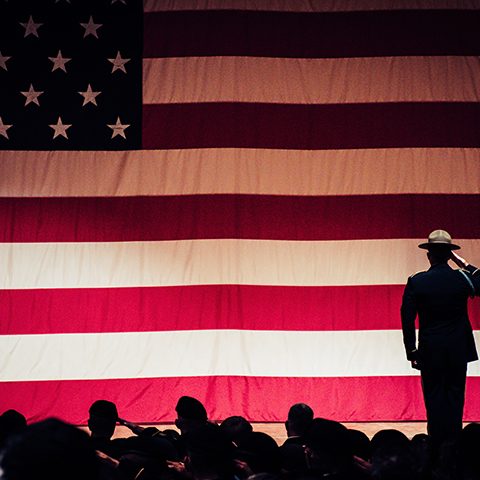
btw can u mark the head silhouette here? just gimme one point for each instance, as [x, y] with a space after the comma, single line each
[49, 449]
[102, 419]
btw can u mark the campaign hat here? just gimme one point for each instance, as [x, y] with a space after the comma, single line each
[437, 239]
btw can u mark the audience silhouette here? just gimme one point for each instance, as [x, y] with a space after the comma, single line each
[11, 422]
[316, 448]
[300, 417]
[236, 427]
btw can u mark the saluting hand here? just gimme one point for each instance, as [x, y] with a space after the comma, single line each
[458, 260]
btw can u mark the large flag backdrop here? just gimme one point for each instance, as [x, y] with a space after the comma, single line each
[243, 234]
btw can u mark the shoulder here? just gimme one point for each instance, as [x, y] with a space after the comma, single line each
[471, 270]
[417, 274]
[414, 280]
[466, 273]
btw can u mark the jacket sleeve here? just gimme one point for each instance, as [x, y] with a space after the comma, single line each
[408, 312]
[474, 275]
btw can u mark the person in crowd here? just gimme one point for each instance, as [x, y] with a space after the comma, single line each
[292, 458]
[393, 466]
[11, 423]
[392, 457]
[147, 451]
[102, 421]
[446, 461]
[329, 451]
[469, 450]
[258, 452]
[292, 452]
[422, 454]
[209, 453]
[50, 449]
[235, 428]
[389, 439]
[191, 414]
[166, 442]
[446, 343]
[360, 444]
[300, 417]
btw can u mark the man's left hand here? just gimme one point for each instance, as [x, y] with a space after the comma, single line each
[416, 364]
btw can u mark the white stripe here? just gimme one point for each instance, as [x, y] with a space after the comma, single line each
[204, 352]
[207, 262]
[308, 5]
[311, 81]
[240, 171]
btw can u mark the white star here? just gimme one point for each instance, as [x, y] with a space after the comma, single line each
[118, 129]
[3, 61]
[118, 63]
[32, 96]
[4, 128]
[31, 27]
[91, 28]
[59, 61]
[60, 129]
[89, 96]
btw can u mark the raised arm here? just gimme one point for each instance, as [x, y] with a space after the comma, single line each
[474, 272]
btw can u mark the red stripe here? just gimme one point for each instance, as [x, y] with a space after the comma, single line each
[84, 219]
[263, 399]
[372, 307]
[311, 35]
[308, 127]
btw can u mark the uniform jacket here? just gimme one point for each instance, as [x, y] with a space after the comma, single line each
[439, 297]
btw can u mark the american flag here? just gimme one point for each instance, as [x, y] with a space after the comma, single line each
[224, 199]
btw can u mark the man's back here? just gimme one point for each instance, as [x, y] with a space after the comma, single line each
[439, 296]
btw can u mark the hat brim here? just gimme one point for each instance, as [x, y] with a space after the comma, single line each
[427, 245]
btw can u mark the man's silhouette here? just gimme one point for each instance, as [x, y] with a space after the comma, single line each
[446, 343]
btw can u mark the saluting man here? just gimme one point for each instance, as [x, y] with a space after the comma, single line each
[445, 341]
